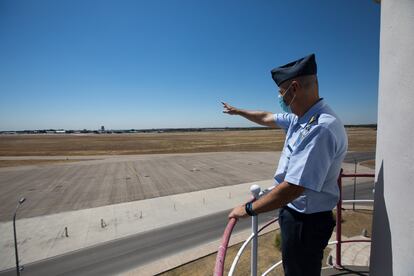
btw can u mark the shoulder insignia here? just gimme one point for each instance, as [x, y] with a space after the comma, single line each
[312, 120]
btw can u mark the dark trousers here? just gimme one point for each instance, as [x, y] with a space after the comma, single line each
[304, 237]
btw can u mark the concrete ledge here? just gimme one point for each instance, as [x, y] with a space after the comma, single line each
[43, 237]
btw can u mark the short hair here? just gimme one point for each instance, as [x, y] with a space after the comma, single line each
[308, 81]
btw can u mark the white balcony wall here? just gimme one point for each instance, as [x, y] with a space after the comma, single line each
[392, 251]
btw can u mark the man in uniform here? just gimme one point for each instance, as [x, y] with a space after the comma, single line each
[306, 187]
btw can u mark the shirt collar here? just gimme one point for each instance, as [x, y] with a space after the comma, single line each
[311, 112]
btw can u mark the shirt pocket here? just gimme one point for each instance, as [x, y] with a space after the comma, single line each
[303, 132]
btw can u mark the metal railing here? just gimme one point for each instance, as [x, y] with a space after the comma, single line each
[339, 241]
[255, 190]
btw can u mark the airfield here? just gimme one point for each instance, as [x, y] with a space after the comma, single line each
[135, 187]
[115, 179]
[59, 173]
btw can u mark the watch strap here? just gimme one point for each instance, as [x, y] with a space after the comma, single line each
[249, 209]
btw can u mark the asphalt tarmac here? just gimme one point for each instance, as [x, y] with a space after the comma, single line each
[124, 254]
[115, 179]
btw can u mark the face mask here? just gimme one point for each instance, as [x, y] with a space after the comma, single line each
[286, 108]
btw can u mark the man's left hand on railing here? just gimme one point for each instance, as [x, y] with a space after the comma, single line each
[278, 197]
[238, 212]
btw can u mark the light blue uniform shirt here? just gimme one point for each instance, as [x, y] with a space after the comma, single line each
[314, 149]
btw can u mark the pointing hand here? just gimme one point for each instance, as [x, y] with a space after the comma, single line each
[229, 109]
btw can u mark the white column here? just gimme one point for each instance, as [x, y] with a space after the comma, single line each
[392, 251]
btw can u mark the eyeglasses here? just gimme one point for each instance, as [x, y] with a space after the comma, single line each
[286, 90]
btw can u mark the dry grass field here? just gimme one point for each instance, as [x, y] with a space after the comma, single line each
[28, 162]
[360, 139]
[142, 143]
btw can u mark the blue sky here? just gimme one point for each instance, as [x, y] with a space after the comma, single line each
[156, 64]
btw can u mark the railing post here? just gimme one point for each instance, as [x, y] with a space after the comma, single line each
[18, 267]
[255, 190]
[353, 204]
[338, 263]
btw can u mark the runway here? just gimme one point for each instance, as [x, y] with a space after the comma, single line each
[114, 179]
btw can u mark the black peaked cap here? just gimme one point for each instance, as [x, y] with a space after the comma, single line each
[300, 67]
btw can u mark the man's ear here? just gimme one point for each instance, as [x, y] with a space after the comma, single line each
[296, 85]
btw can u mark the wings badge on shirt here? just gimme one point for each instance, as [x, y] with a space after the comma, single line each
[305, 131]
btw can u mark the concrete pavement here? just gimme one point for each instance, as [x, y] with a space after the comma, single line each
[44, 236]
[356, 254]
[115, 179]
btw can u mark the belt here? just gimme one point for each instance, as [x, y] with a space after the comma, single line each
[312, 216]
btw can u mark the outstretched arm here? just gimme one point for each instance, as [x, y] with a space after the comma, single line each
[263, 118]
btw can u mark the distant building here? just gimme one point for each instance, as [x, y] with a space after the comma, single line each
[102, 128]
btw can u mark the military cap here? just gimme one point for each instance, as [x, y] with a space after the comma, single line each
[301, 67]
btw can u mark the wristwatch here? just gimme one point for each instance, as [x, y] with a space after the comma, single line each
[248, 207]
